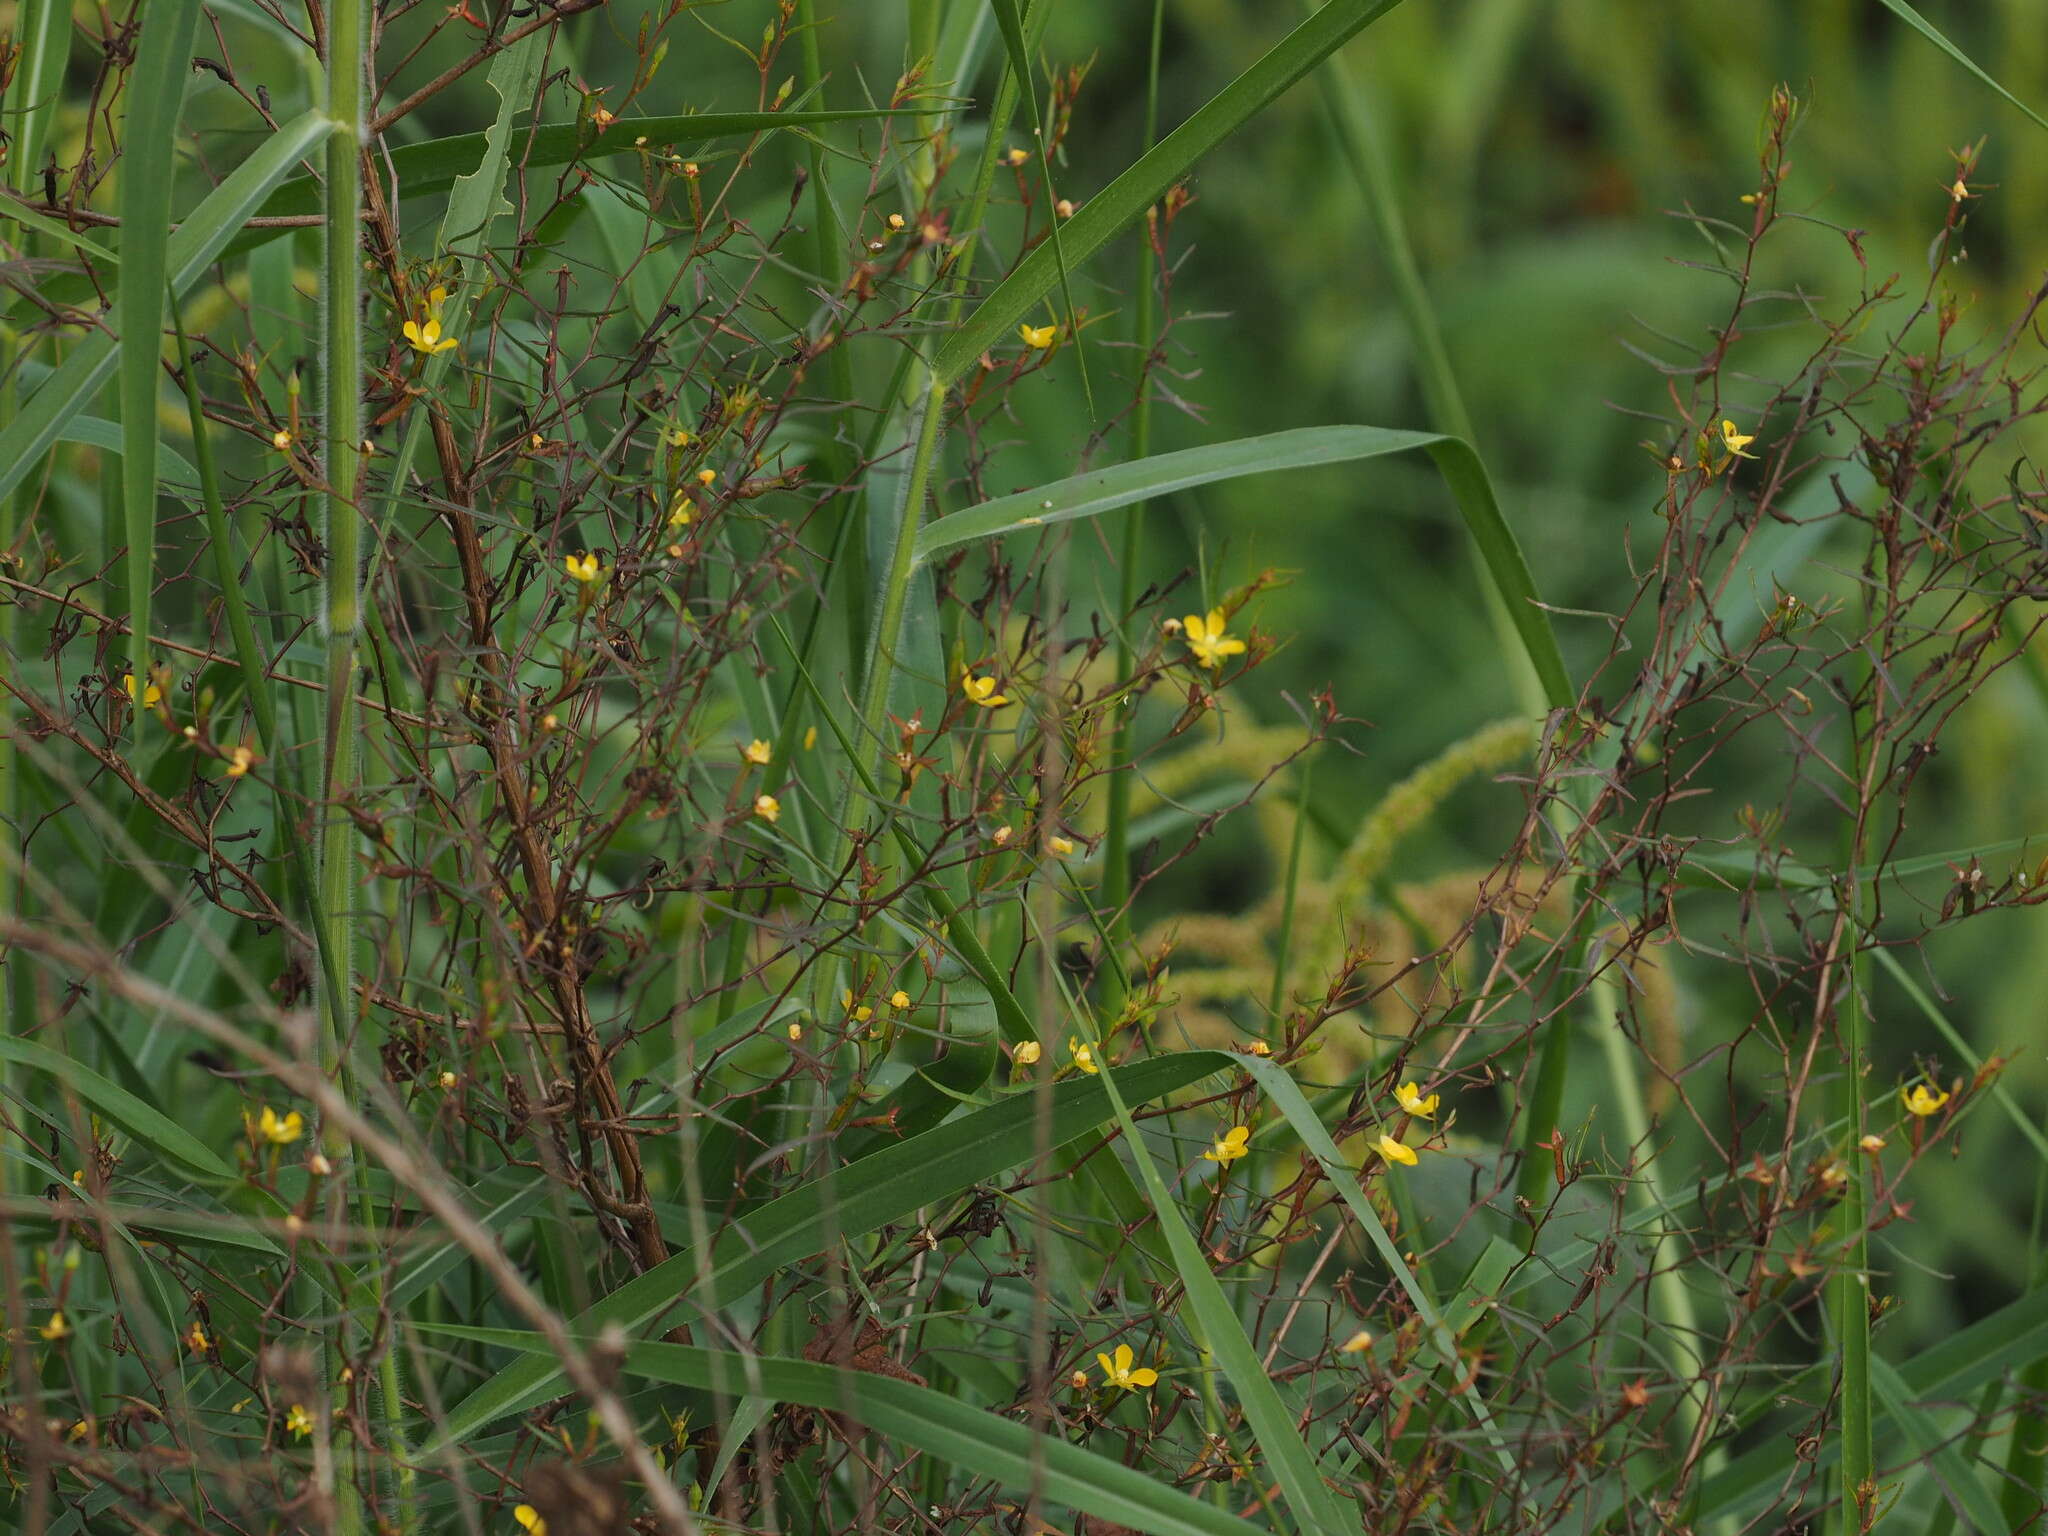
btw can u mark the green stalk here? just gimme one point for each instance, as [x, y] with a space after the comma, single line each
[1116, 839]
[43, 29]
[347, 70]
[1849, 1289]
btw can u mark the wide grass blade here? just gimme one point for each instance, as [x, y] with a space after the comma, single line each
[1126, 198]
[1304, 447]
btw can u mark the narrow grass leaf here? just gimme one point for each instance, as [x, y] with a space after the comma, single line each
[202, 235]
[1220, 1333]
[155, 97]
[1928, 30]
[979, 1441]
[1126, 198]
[886, 1187]
[140, 1119]
[1123, 485]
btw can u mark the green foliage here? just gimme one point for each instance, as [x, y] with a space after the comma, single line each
[803, 843]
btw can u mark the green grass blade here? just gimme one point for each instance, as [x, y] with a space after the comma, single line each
[57, 229]
[1926, 29]
[140, 1119]
[935, 1422]
[1304, 447]
[97, 432]
[1301, 1115]
[1125, 199]
[1944, 1462]
[70, 388]
[1222, 1336]
[155, 97]
[885, 1187]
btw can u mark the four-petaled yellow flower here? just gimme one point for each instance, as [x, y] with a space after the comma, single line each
[899, 999]
[425, 335]
[767, 807]
[280, 1130]
[982, 691]
[583, 568]
[1922, 1100]
[757, 751]
[1735, 441]
[529, 1520]
[56, 1328]
[1026, 1054]
[1414, 1102]
[1207, 640]
[1117, 1370]
[1038, 337]
[298, 1421]
[1394, 1151]
[1357, 1344]
[1084, 1055]
[151, 695]
[1230, 1146]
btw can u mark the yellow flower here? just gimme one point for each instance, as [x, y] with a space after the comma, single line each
[1872, 1143]
[530, 1520]
[151, 695]
[795, 1031]
[583, 568]
[1414, 1102]
[240, 761]
[1118, 1373]
[1078, 1381]
[1207, 640]
[196, 1339]
[447, 1080]
[1922, 1100]
[1027, 1054]
[426, 336]
[1038, 337]
[280, 1131]
[298, 1421]
[899, 999]
[706, 476]
[1016, 156]
[757, 751]
[1230, 1146]
[680, 513]
[767, 807]
[810, 738]
[862, 1014]
[895, 221]
[1357, 1344]
[982, 691]
[1735, 441]
[1060, 845]
[679, 437]
[1394, 1151]
[280, 438]
[1084, 1055]
[56, 1328]
[1257, 1048]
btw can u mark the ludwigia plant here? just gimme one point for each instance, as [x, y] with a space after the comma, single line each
[618, 740]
